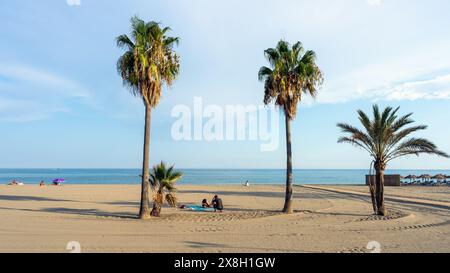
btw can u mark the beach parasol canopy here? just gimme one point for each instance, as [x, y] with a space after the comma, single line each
[439, 177]
[425, 177]
[411, 177]
[59, 180]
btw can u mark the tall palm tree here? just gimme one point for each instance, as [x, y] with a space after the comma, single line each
[148, 63]
[293, 73]
[386, 137]
[163, 182]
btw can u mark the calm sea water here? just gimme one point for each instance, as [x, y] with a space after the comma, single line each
[198, 176]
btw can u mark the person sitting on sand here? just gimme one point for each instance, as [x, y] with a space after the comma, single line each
[42, 184]
[13, 183]
[205, 204]
[217, 204]
[16, 183]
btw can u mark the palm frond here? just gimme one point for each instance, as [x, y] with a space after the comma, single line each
[163, 180]
[291, 74]
[415, 146]
[272, 56]
[384, 136]
[264, 72]
[356, 142]
[149, 62]
[402, 122]
[171, 200]
[124, 42]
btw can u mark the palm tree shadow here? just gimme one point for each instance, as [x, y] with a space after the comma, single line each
[80, 212]
[90, 212]
[204, 245]
[340, 214]
[123, 203]
[31, 198]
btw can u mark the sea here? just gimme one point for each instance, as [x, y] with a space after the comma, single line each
[199, 176]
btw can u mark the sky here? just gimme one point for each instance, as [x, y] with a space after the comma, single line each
[63, 105]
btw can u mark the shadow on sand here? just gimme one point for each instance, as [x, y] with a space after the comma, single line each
[31, 198]
[81, 212]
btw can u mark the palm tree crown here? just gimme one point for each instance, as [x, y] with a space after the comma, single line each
[149, 60]
[293, 72]
[162, 180]
[386, 137]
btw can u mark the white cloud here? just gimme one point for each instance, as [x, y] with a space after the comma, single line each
[73, 2]
[30, 94]
[374, 2]
[17, 110]
[22, 74]
[422, 73]
[430, 89]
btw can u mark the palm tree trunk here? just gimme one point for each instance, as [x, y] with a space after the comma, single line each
[144, 212]
[381, 209]
[156, 211]
[288, 199]
[372, 194]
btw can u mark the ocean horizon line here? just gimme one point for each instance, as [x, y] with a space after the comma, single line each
[232, 169]
[202, 176]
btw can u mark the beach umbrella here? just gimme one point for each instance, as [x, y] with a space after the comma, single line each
[425, 176]
[439, 177]
[59, 180]
[411, 177]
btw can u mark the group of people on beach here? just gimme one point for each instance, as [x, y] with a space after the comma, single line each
[41, 184]
[15, 183]
[216, 203]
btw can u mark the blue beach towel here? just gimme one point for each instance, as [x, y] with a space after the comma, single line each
[198, 208]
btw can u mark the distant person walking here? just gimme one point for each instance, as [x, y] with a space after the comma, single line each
[217, 204]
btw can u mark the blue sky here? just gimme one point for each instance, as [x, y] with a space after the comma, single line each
[62, 103]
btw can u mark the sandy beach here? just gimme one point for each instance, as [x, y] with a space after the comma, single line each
[334, 219]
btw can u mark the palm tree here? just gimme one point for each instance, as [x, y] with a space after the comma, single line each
[163, 181]
[148, 62]
[293, 73]
[386, 138]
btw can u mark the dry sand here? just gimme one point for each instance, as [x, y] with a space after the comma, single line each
[329, 219]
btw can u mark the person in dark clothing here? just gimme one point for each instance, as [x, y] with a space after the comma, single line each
[217, 204]
[205, 204]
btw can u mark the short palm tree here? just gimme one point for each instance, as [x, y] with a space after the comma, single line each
[148, 62]
[163, 182]
[293, 73]
[386, 137]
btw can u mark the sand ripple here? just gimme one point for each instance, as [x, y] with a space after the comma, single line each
[198, 217]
